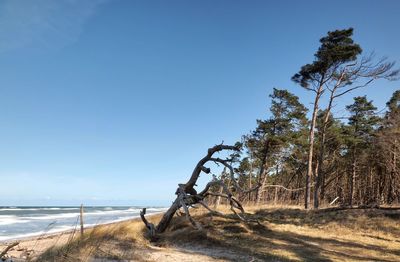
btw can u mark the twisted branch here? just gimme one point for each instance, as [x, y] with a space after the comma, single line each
[187, 196]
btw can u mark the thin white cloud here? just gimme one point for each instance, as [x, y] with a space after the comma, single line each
[43, 23]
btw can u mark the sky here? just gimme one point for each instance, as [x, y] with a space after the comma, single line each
[114, 102]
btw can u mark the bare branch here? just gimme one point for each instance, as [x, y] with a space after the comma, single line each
[354, 88]
[150, 226]
[232, 175]
[187, 196]
[200, 165]
[5, 251]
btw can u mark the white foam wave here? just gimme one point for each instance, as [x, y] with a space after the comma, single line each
[52, 217]
[38, 233]
[9, 220]
[38, 209]
[71, 215]
[157, 209]
[62, 228]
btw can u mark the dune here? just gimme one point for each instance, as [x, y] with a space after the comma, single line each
[283, 234]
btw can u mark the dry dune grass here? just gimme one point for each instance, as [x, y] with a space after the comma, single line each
[119, 241]
[284, 234]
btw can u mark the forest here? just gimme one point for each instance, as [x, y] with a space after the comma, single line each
[321, 161]
[326, 159]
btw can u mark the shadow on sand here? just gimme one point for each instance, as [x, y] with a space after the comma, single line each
[263, 243]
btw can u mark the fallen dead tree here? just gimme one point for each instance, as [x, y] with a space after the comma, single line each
[188, 196]
[8, 248]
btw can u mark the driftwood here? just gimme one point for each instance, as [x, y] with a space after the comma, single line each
[187, 195]
[5, 251]
[333, 201]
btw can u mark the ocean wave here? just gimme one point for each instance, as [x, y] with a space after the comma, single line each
[37, 233]
[71, 215]
[156, 209]
[9, 220]
[38, 209]
[51, 216]
[60, 228]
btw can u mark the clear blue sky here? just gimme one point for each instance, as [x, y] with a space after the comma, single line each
[114, 102]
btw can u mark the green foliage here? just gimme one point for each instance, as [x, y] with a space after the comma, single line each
[274, 138]
[363, 120]
[337, 48]
[288, 117]
[342, 159]
[334, 131]
[394, 106]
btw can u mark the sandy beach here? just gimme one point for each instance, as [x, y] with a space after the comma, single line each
[32, 248]
[284, 234]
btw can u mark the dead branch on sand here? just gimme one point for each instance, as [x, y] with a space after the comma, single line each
[5, 251]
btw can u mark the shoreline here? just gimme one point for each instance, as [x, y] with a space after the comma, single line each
[35, 235]
[40, 243]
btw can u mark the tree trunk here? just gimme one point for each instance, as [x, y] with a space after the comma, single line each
[307, 197]
[218, 200]
[167, 217]
[353, 179]
[261, 189]
[187, 196]
[262, 176]
[250, 178]
[320, 175]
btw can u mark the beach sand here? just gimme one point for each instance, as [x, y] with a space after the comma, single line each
[31, 248]
[283, 234]
[34, 247]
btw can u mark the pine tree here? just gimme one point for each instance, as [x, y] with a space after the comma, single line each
[337, 69]
[268, 143]
[336, 50]
[388, 147]
[362, 125]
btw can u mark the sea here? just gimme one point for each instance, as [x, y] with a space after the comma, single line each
[22, 222]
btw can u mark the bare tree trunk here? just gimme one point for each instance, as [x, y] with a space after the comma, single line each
[187, 196]
[218, 200]
[320, 176]
[260, 190]
[392, 188]
[307, 197]
[167, 217]
[262, 176]
[250, 177]
[353, 179]
[323, 186]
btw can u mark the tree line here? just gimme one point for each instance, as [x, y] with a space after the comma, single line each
[290, 158]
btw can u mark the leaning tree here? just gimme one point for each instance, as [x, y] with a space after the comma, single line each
[337, 69]
[187, 196]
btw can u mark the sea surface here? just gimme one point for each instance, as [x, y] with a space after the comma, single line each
[20, 222]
